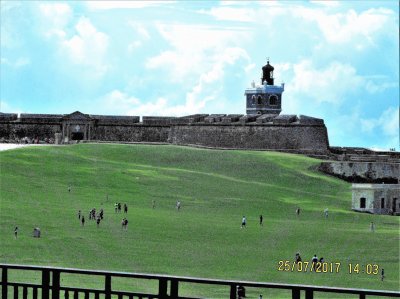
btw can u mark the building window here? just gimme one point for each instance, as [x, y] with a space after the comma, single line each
[253, 100]
[273, 100]
[362, 203]
[382, 203]
[259, 100]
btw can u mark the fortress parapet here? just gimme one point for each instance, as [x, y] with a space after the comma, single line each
[5, 117]
[115, 119]
[214, 118]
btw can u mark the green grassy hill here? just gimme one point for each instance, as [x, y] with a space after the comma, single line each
[204, 239]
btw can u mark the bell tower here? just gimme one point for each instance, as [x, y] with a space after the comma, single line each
[267, 97]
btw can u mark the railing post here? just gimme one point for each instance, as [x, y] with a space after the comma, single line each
[174, 288]
[4, 282]
[295, 293]
[107, 288]
[309, 294]
[232, 294]
[162, 288]
[55, 290]
[45, 283]
[362, 296]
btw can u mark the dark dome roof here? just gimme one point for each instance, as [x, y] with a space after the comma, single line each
[268, 67]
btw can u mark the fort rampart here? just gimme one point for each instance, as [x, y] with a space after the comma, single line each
[270, 132]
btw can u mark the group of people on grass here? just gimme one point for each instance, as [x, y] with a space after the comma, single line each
[118, 207]
[92, 216]
[326, 212]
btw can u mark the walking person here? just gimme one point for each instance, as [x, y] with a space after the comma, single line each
[372, 227]
[83, 220]
[326, 213]
[16, 232]
[261, 220]
[243, 222]
[298, 211]
[314, 262]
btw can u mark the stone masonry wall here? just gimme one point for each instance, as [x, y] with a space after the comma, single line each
[18, 130]
[228, 131]
[363, 172]
[274, 137]
[134, 133]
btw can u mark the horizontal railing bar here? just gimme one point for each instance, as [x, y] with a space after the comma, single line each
[23, 284]
[124, 293]
[205, 281]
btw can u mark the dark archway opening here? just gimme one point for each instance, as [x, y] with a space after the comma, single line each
[394, 205]
[77, 136]
[362, 203]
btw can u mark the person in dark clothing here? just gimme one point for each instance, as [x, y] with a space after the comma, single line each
[241, 292]
[314, 262]
[261, 220]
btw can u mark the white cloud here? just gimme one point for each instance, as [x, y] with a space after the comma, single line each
[120, 100]
[208, 88]
[134, 45]
[231, 14]
[374, 87]
[88, 47]
[55, 17]
[326, 3]
[329, 84]
[20, 62]
[387, 123]
[104, 5]
[141, 35]
[349, 26]
[139, 29]
[195, 48]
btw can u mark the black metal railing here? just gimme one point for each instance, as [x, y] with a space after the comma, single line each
[168, 286]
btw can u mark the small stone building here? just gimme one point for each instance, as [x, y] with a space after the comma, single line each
[376, 198]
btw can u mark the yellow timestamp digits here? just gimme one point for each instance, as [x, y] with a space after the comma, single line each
[369, 269]
[292, 266]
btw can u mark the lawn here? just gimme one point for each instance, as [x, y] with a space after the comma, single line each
[204, 239]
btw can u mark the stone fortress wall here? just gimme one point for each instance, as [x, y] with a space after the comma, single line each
[269, 132]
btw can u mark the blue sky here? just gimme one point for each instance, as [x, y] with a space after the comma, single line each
[339, 60]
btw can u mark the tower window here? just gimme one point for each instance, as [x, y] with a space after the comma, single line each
[253, 100]
[382, 203]
[259, 100]
[273, 100]
[362, 203]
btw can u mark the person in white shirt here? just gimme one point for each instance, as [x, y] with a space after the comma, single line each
[243, 222]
